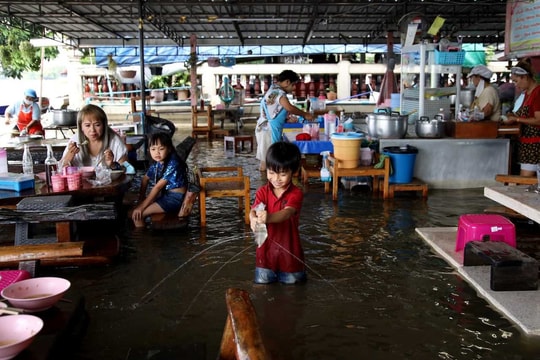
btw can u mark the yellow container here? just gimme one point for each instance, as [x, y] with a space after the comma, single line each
[347, 148]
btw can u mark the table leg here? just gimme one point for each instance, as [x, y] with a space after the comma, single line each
[63, 231]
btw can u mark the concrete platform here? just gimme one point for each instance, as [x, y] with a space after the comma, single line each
[521, 307]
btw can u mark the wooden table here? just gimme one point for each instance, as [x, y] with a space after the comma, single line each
[98, 232]
[99, 193]
[516, 198]
[62, 128]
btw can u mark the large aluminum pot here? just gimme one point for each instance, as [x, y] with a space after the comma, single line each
[387, 125]
[426, 128]
[65, 117]
[466, 97]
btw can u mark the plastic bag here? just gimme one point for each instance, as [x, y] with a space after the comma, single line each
[103, 176]
[260, 229]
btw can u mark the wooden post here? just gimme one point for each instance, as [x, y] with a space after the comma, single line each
[241, 337]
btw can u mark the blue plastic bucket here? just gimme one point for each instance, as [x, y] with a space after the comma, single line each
[402, 159]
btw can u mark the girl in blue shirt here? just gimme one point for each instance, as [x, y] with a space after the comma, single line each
[167, 177]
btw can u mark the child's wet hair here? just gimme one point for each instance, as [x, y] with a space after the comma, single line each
[283, 156]
[161, 138]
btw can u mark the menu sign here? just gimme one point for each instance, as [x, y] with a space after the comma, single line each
[522, 38]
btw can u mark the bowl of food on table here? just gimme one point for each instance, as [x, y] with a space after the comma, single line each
[36, 294]
[117, 171]
[17, 332]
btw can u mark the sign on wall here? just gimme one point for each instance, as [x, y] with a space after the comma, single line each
[522, 37]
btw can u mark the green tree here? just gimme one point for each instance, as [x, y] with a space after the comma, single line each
[17, 54]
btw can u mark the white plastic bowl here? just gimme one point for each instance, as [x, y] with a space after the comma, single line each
[17, 333]
[37, 294]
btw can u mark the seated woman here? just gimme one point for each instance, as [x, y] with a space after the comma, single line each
[167, 176]
[95, 142]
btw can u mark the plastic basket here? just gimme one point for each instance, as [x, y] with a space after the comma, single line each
[449, 57]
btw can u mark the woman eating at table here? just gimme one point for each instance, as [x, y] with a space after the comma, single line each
[95, 142]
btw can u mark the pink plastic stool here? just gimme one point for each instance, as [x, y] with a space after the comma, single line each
[473, 227]
[8, 277]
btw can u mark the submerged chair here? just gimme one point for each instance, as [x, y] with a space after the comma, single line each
[231, 183]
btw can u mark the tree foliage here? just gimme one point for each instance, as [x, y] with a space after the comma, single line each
[17, 54]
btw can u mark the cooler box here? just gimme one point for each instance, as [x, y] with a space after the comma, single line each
[474, 227]
[16, 182]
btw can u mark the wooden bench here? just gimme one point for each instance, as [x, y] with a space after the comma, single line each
[415, 185]
[10, 255]
[516, 179]
[62, 217]
[60, 249]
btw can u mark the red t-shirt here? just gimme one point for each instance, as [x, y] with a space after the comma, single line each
[282, 250]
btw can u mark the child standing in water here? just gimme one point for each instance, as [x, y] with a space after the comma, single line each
[280, 257]
[168, 176]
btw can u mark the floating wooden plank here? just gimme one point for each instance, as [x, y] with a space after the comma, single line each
[42, 251]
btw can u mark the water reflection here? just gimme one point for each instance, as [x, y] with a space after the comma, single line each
[375, 289]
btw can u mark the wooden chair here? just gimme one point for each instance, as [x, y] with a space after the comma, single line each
[202, 122]
[233, 184]
[242, 338]
[338, 171]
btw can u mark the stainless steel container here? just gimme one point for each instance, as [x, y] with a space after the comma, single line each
[65, 117]
[387, 125]
[466, 97]
[426, 128]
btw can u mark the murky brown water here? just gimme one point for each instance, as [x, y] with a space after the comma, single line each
[375, 289]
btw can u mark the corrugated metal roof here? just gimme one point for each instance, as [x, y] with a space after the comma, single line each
[253, 22]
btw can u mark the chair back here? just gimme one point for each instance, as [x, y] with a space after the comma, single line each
[201, 119]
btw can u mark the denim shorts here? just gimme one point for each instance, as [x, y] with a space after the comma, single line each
[267, 276]
[170, 201]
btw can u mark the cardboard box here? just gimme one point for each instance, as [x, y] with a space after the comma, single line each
[16, 182]
[473, 129]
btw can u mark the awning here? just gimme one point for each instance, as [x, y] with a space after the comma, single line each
[161, 55]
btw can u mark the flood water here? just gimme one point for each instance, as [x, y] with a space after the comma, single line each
[375, 289]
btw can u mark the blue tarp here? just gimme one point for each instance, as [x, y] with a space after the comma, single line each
[160, 55]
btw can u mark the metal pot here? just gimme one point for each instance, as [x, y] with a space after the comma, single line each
[387, 125]
[426, 128]
[65, 117]
[466, 97]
